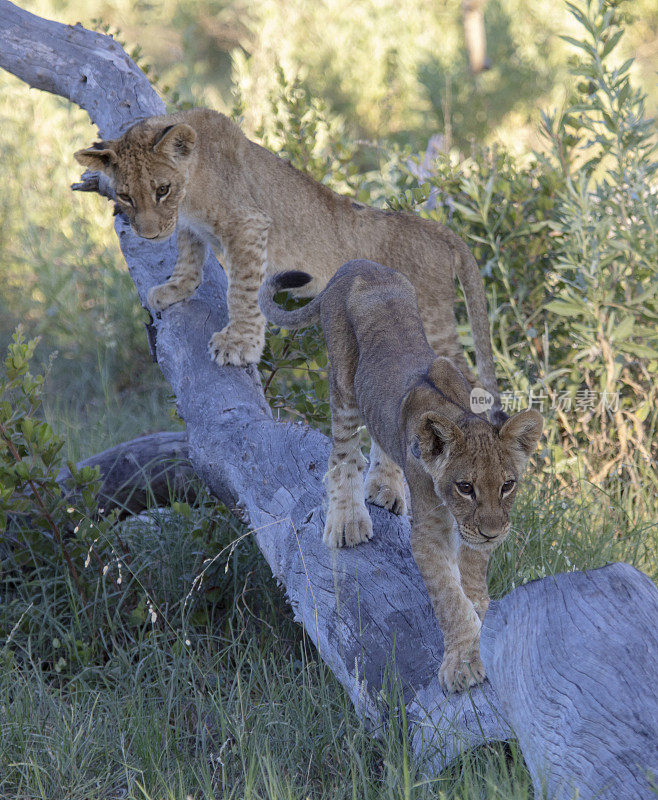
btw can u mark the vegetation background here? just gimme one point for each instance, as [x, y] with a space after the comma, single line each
[170, 664]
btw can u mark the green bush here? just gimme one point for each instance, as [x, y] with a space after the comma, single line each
[68, 569]
[567, 242]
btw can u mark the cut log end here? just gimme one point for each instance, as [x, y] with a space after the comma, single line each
[574, 660]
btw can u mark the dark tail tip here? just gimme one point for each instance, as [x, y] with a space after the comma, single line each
[292, 279]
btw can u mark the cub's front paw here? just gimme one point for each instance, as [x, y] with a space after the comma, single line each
[166, 294]
[230, 347]
[461, 669]
[387, 495]
[347, 526]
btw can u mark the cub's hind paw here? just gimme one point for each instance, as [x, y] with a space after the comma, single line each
[389, 497]
[347, 527]
[461, 670]
[227, 347]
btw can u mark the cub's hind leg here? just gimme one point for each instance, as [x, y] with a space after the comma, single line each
[348, 522]
[187, 274]
[385, 482]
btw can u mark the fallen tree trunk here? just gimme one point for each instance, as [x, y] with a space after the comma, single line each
[148, 471]
[366, 609]
[574, 662]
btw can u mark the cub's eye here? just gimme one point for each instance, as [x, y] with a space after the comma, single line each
[465, 488]
[507, 487]
[125, 198]
[162, 190]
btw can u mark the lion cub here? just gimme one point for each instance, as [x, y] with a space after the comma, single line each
[196, 173]
[462, 471]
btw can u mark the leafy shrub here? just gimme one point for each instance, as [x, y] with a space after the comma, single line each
[70, 570]
[604, 278]
[39, 523]
[566, 240]
[569, 252]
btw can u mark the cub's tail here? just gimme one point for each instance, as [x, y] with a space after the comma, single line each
[298, 318]
[476, 307]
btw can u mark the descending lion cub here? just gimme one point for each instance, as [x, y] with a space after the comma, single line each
[195, 172]
[460, 468]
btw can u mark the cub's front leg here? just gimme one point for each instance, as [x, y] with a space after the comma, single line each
[241, 342]
[187, 274]
[435, 551]
[473, 571]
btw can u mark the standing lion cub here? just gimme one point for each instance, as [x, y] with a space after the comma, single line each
[194, 172]
[462, 470]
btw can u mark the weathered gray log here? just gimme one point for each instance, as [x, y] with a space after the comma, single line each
[147, 471]
[574, 662]
[365, 609]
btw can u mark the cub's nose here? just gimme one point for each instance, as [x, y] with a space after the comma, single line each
[146, 228]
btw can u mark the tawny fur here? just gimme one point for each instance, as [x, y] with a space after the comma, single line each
[228, 192]
[462, 470]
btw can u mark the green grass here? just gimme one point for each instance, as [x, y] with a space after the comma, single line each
[245, 710]
[93, 420]
[221, 694]
[557, 529]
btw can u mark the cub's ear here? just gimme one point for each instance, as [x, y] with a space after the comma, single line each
[521, 433]
[435, 436]
[175, 141]
[100, 157]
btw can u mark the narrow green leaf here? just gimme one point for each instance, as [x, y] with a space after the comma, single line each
[580, 45]
[612, 42]
[623, 330]
[565, 309]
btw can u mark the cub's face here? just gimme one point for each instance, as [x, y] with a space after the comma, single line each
[150, 198]
[148, 168]
[475, 470]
